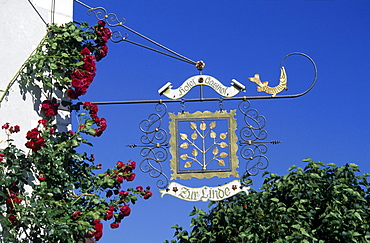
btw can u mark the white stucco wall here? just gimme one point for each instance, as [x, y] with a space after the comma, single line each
[21, 30]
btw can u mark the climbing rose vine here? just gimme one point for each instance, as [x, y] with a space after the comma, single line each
[52, 192]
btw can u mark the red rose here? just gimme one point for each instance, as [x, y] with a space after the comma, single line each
[114, 225]
[133, 165]
[98, 227]
[94, 108]
[98, 235]
[139, 188]
[148, 195]
[72, 94]
[109, 215]
[101, 23]
[14, 129]
[126, 210]
[50, 108]
[44, 122]
[5, 126]
[89, 65]
[120, 164]
[39, 142]
[85, 51]
[120, 179]
[13, 220]
[76, 214]
[42, 178]
[96, 221]
[32, 134]
[131, 177]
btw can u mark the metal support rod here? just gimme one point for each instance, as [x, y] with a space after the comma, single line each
[126, 102]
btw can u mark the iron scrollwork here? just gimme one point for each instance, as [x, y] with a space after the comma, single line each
[252, 140]
[111, 20]
[154, 147]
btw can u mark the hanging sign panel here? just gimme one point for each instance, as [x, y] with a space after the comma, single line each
[203, 144]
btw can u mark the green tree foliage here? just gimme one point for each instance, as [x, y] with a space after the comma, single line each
[320, 203]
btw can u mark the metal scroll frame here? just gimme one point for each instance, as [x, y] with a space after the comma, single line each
[154, 147]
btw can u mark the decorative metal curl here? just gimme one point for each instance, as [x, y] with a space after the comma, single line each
[154, 145]
[252, 136]
[118, 37]
[110, 18]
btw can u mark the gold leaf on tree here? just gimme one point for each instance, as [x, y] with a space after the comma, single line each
[221, 162]
[223, 145]
[194, 152]
[223, 135]
[194, 135]
[213, 134]
[187, 164]
[215, 151]
[184, 145]
[223, 155]
[203, 126]
[184, 156]
[212, 125]
[193, 125]
[183, 136]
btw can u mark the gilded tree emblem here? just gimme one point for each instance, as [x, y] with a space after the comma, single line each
[199, 135]
[203, 144]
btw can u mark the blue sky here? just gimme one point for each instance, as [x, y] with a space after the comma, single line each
[236, 39]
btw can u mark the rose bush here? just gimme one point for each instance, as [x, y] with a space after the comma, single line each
[53, 193]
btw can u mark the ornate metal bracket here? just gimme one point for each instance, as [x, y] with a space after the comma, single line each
[252, 140]
[154, 147]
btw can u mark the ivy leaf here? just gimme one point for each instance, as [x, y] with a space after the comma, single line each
[212, 125]
[184, 156]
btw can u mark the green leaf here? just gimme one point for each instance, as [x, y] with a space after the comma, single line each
[274, 199]
[292, 167]
[74, 143]
[91, 131]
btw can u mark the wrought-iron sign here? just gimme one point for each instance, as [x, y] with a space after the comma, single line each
[202, 144]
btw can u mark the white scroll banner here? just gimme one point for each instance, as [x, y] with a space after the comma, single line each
[204, 193]
[202, 80]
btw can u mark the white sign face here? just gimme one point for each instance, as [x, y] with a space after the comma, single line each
[204, 80]
[204, 193]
